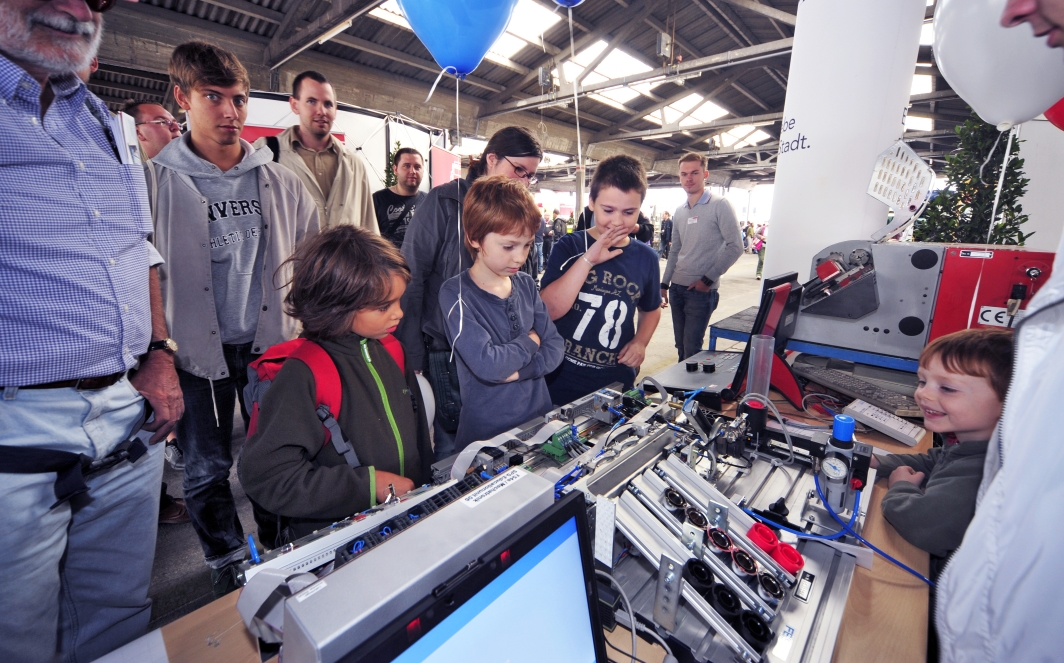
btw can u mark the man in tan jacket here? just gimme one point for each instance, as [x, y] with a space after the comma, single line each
[336, 177]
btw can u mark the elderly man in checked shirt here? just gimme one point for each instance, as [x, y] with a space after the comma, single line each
[80, 307]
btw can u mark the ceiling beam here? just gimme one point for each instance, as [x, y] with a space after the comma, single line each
[283, 48]
[129, 89]
[404, 58]
[705, 126]
[614, 22]
[765, 10]
[248, 9]
[696, 66]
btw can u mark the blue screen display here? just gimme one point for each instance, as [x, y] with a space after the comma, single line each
[535, 611]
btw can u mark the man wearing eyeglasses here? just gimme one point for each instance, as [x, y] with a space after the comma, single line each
[81, 307]
[156, 127]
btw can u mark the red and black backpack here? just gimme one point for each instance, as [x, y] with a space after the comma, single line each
[329, 391]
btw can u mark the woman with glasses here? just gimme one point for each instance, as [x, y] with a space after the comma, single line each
[434, 250]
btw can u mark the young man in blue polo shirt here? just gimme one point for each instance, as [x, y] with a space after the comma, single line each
[601, 288]
[706, 242]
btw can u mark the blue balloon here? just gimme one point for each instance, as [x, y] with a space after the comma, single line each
[458, 32]
[569, 3]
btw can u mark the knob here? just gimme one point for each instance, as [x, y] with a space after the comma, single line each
[1034, 272]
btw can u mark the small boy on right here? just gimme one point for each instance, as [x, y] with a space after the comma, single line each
[961, 386]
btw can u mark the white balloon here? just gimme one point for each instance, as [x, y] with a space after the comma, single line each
[1007, 75]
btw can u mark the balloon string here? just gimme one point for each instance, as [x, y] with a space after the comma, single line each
[458, 140]
[1001, 182]
[437, 82]
[993, 215]
[576, 105]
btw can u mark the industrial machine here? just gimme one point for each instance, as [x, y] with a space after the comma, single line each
[675, 492]
[893, 298]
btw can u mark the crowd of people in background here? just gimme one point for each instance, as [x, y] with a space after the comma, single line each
[136, 297]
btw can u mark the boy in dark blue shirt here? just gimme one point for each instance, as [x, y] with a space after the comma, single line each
[602, 289]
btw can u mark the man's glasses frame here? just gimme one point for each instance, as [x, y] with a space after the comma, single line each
[170, 124]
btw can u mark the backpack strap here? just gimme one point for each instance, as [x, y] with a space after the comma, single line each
[275, 146]
[395, 349]
[328, 396]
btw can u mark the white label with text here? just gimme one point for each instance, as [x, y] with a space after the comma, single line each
[497, 484]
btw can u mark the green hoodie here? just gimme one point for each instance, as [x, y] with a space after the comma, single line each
[287, 469]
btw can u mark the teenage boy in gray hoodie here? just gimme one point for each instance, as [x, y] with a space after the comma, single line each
[226, 217]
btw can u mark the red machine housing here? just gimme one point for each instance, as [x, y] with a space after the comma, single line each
[978, 281]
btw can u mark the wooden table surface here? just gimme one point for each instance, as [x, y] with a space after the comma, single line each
[885, 617]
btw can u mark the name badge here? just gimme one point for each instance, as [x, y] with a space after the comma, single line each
[691, 220]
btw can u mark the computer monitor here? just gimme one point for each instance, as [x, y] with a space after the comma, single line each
[776, 316]
[531, 599]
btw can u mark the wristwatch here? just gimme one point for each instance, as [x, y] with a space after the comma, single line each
[168, 344]
[708, 282]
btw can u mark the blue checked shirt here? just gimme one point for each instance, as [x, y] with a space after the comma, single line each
[74, 254]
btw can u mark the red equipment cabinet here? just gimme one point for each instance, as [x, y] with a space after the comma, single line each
[978, 281]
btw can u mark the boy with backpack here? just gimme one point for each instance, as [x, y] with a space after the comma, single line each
[308, 462]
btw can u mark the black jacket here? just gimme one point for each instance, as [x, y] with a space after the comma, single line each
[287, 469]
[433, 248]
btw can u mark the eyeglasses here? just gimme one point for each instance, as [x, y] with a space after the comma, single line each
[100, 6]
[170, 124]
[522, 172]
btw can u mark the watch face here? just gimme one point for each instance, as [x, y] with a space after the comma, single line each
[834, 468]
[171, 345]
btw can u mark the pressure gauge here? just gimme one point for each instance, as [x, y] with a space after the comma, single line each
[835, 468]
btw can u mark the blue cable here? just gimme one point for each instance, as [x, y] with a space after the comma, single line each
[691, 395]
[254, 551]
[807, 535]
[816, 480]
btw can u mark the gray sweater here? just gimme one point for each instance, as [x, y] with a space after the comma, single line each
[705, 242]
[934, 517]
[491, 343]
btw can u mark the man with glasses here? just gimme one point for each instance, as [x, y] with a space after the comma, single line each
[156, 127]
[81, 307]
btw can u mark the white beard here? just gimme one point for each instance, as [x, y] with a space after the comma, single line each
[18, 41]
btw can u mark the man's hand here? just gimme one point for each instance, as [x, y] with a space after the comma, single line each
[874, 463]
[600, 251]
[632, 354]
[906, 474]
[156, 380]
[664, 298]
[699, 286]
[534, 336]
[402, 485]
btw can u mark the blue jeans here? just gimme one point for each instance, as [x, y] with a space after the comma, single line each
[75, 578]
[539, 256]
[691, 310]
[205, 437]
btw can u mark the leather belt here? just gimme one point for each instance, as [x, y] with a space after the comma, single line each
[82, 384]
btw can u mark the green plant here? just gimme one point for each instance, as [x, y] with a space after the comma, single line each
[390, 179]
[961, 211]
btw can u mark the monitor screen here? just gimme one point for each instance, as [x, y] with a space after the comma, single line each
[540, 580]
[543, 592]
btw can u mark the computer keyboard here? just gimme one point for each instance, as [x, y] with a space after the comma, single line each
[901, 430]
[846, 383]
